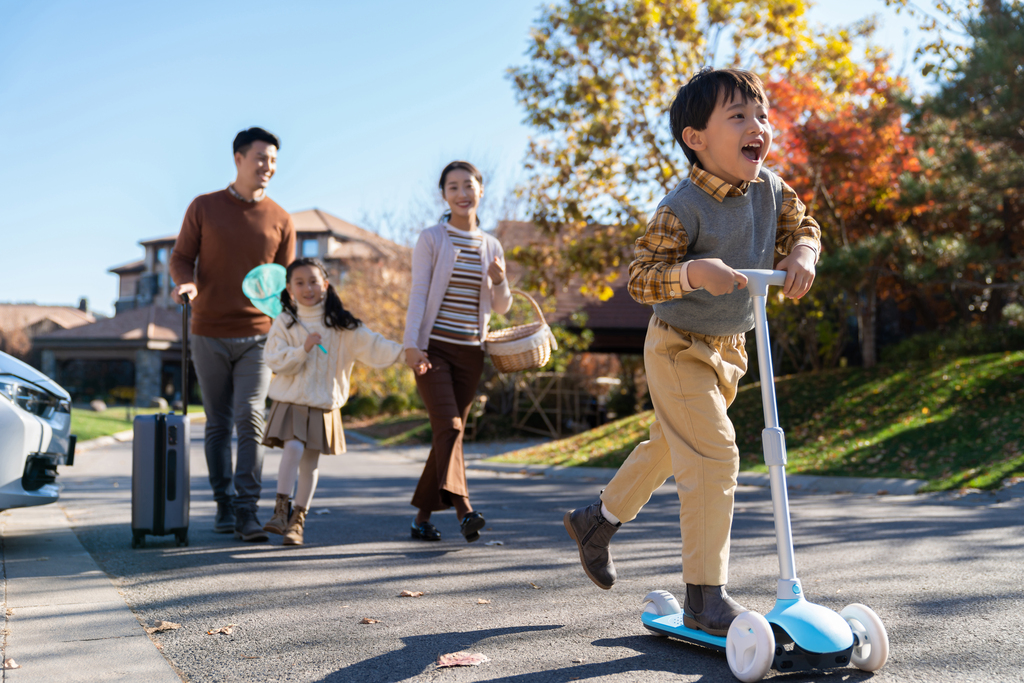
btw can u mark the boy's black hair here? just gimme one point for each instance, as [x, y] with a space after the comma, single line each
[245, 138]
[696, 100]
[335, 314]
[459, 166]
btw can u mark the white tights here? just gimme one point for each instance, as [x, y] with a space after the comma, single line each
[301, 463]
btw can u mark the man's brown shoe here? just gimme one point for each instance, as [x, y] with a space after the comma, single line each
[709, 609]
[592, 532]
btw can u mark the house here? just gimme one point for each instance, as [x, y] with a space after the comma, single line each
[21, 323]
[619, 324]
[136, 355]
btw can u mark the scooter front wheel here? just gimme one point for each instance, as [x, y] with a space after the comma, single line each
[750, 647]
[871, 649]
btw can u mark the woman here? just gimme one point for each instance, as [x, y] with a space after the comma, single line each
[458, 279]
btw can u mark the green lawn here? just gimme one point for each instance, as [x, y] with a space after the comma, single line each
[395, 430]
[89, 425]
[957, 423]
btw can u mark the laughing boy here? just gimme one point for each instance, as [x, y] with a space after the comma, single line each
[731, 213]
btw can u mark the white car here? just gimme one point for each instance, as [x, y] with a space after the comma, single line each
[35, 426]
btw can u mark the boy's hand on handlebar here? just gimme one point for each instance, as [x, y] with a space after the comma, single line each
[312, 340]
[714, 276]
[417, 360]
[799, 267]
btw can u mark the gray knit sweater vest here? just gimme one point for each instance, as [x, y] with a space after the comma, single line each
[740, 231]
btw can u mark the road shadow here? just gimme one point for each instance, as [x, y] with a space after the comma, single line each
[420, 653]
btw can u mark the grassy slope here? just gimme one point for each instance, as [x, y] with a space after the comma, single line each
[958, 423]
[89, 425]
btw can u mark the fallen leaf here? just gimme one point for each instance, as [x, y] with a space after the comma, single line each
[481, 601]
[535, 585]
[461, 659]
[494, 543]
[411, 594]
[11, 664]
[368, 620]
[161, 626]
[226, 630]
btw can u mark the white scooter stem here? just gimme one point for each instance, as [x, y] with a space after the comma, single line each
[773, 438]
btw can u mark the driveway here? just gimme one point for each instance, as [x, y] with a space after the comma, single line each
[947, 579]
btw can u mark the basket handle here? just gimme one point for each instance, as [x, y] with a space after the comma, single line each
[536, 307]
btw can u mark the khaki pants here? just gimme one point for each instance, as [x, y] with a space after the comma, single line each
[692, 380]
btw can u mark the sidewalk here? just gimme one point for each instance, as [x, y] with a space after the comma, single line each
[65, 619]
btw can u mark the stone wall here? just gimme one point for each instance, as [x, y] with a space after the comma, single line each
[148, 364]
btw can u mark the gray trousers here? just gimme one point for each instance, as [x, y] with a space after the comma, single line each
[234, 380]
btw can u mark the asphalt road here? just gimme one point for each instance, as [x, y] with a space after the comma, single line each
[947, 580]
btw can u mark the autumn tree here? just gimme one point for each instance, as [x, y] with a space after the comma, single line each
[601, 79]
[843, 147]
[974, 126]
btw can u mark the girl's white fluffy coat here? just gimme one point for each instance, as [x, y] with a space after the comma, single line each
[317, 379]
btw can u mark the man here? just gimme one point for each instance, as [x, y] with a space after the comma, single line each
[225, 234]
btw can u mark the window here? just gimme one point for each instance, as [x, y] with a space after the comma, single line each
[310, 248]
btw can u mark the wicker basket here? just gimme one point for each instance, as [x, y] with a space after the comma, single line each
[522, 347]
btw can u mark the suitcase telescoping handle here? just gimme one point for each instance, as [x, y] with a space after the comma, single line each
[184, 354]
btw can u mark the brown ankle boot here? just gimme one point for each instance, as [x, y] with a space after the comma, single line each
[709, 609]
[279, 521]
[293, 534]
[592, 533]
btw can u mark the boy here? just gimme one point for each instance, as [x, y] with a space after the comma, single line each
[730, 213]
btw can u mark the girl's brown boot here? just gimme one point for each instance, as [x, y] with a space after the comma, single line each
[279, 521]
[293, 534]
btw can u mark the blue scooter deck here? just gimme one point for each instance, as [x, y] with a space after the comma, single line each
[672, 626]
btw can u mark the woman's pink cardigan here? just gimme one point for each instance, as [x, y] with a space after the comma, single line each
[433, 261]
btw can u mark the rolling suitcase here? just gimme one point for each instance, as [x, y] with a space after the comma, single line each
[160, 465]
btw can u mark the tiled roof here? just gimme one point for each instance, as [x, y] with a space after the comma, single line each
[159, 240]
[149, 323]
[19, 316]
[621, 311]
[128, 268]
[319, 221]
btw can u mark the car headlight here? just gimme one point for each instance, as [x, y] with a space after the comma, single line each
[30, 398]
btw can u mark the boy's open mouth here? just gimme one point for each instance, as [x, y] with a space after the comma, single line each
[752, 151]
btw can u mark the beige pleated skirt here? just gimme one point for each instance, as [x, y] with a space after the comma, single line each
[317, 429]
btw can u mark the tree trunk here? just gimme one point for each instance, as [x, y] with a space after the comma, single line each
[866, 312]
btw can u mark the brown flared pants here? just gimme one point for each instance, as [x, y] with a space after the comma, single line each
[447, 390]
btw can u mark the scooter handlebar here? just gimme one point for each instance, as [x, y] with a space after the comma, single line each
[759, 280]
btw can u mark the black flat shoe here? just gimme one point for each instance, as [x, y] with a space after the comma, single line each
[471, 525]
[425, 531]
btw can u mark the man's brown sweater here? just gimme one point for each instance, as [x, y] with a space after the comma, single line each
[229, 237]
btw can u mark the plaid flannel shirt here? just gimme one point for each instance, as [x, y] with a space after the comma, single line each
[655, 275]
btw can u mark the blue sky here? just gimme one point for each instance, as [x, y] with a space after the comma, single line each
[117, 114]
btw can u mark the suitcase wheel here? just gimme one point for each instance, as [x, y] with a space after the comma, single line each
[138, 539]
[181, 538]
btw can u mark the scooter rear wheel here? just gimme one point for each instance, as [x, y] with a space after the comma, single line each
[662, 604]
[750, 647]
[872, 647]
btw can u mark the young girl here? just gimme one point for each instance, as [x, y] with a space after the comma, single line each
[458, 280]
[310, 386]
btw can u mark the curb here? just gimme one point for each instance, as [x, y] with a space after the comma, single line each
[802, 483]
[119, 437]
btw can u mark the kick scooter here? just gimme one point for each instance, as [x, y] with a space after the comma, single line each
[796, 634]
